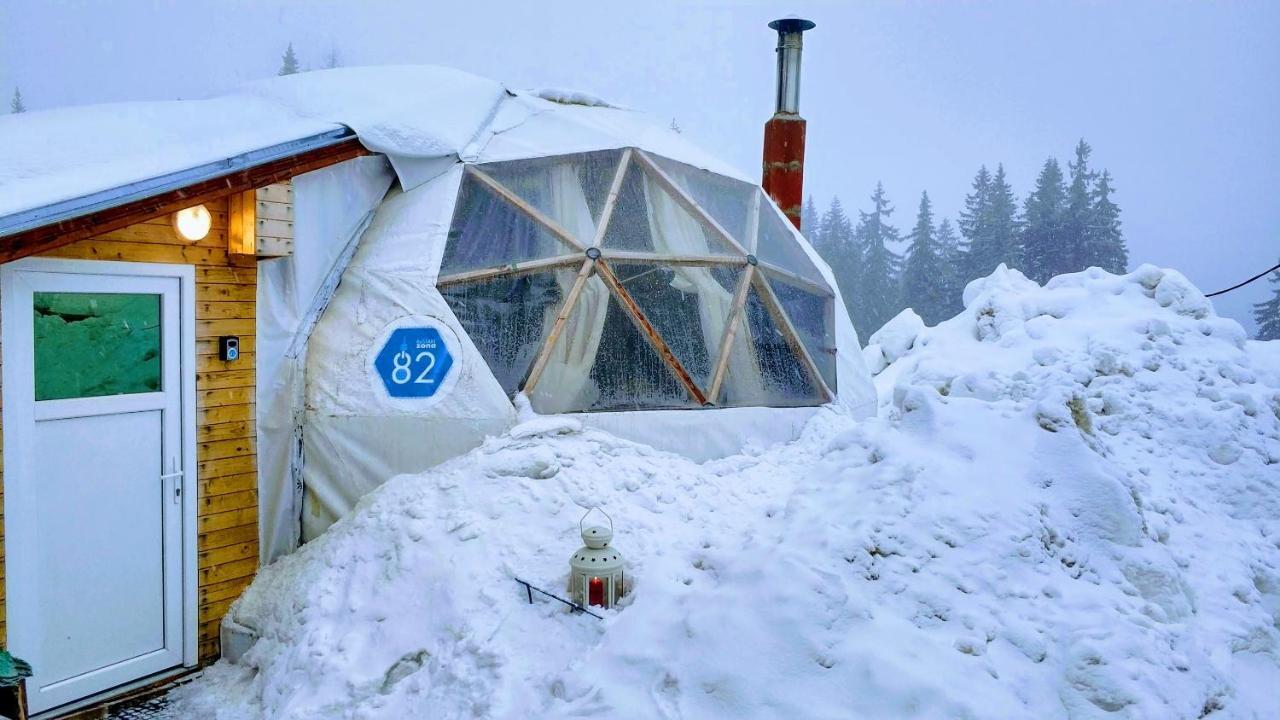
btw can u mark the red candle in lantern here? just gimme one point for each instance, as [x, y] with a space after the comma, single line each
[595, 570]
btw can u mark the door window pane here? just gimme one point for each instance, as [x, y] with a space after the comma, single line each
[96, 344]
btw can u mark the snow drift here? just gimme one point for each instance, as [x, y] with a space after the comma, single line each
[1068, 507]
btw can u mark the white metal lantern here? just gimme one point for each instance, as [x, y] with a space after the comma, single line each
[596, 569]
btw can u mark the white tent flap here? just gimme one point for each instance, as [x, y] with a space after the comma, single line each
[331, 207]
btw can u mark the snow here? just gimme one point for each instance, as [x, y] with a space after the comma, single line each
[57, 155]
[422, 117]
[554, 123]
[1068, 507]
[571, 97]
[896, 337]
[404, 111]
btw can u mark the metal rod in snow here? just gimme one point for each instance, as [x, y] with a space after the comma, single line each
[529, 587]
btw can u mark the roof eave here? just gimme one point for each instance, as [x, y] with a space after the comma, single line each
[124, 194]
[95, 215]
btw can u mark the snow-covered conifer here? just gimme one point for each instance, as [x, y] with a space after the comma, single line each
[875, 297]
[1267, 314]
[1045, 249]
[288, 62]
[923, 282]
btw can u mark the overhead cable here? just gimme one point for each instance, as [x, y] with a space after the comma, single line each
[1246, 282]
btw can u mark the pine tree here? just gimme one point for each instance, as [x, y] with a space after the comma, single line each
[16, 105]
[924, 268]
[834, 242]
[1045, 252]
[288, 62]
[874, 299]
[1104, 228]
[833, 233]
[973, 224]
[952, 279]
[1267, 314]
[989, 225]
[1002, 224]
[1081, 250]
[809, 222]
[332, 59]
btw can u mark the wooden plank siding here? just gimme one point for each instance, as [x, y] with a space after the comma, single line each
[260, 222]
[227, 481]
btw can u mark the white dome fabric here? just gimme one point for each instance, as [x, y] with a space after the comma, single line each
[337, 431]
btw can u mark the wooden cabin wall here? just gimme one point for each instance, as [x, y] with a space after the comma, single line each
[227, 492]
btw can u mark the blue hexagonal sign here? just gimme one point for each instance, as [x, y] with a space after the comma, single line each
[414, 362]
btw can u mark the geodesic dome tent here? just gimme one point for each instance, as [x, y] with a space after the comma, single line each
[575, 254]
[621, 280]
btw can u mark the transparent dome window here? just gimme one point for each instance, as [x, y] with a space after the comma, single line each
[488, 232]
[779, 251]
[732, 203]
[620, 280]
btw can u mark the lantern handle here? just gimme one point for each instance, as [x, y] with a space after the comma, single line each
[588, 512]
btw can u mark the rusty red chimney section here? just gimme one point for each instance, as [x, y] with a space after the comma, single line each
[784, 133]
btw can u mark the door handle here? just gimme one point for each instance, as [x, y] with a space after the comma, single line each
[177, 476]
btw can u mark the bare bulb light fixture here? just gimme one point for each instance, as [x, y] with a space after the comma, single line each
[192, 223]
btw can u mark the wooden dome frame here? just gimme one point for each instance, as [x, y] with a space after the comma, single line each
[597, 262]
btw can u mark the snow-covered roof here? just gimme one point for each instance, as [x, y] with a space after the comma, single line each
[411, 113]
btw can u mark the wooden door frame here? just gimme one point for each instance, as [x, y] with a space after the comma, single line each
[19, 409]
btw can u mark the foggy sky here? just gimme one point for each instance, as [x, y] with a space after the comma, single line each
[1181, 101]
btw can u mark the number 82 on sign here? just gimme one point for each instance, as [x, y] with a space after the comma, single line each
[413, 362]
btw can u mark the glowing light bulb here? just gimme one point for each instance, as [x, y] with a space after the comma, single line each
[192, 223]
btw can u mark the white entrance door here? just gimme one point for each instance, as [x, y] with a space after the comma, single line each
[95, 430]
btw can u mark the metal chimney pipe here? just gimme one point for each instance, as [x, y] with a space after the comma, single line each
[785, 131]
[790, 45]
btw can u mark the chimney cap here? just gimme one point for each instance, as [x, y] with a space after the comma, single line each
[792, 24]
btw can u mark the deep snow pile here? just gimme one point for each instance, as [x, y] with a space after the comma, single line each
[1069, 507]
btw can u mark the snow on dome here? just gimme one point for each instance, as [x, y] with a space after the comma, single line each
[1068, 508]
[531, 126]
[571, 97]
[410, 113]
